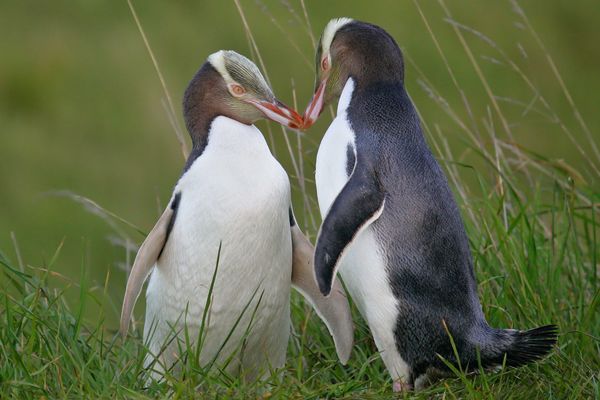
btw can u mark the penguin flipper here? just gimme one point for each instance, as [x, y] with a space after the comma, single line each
[359, 203]
[145, 259]
[333, 310]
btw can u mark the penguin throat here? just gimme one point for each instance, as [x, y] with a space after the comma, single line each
[345, 96]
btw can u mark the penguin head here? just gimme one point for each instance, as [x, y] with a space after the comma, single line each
[351, 49]
[230, 84]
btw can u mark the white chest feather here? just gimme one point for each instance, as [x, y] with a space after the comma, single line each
[235, 195]
[332, 157]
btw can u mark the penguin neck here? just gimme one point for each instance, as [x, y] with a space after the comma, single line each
[345, 96]
[364, 83]
[371, 76]
[231, 136]
[199, 135]
[381, 106]
[359, 86]
[200, 132]
[227, 136]
[204, 124]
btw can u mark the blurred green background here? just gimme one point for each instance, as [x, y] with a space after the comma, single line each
[81, 107]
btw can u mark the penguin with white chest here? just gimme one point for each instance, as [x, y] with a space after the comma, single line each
[390, 223]
[232, 203]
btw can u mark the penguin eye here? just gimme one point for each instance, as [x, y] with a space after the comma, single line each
[237, 90]
[325, 64]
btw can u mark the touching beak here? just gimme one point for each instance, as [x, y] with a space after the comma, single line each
[279, 112]
[314, 108]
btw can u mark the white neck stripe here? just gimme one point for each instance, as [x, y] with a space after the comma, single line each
[346, 96]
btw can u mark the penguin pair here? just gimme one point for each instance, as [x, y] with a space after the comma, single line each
[391, 227]
[225, 252]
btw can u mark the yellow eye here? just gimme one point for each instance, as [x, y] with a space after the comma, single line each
[325, 64]
[237, 90]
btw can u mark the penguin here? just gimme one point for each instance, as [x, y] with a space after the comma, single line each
[229, 219]
[391, 226]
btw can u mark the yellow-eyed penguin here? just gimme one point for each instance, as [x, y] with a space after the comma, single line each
[390, 222]
[234, 196]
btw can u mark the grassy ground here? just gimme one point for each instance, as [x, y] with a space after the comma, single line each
[532, 220]
[536, 266]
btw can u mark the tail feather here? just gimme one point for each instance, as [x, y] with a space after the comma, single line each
[532, 345]
[524, 347]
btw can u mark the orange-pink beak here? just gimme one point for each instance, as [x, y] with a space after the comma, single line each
[314, 108]
[279, 112]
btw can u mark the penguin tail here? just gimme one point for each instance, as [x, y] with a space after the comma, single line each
[515, 348]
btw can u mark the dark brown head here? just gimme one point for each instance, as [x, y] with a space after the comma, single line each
[356, 49]
[231, 85]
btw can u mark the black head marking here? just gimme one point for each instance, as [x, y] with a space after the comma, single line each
[202, 103]
[358, 50]
[367, 53]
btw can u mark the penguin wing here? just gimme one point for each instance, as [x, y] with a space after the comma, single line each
[145, 259]
[359, 203]
[333, 310]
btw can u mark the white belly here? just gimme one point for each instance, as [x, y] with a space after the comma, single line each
[363, 267]
[238, 200]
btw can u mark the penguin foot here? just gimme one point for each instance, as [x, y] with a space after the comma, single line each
[399, 386]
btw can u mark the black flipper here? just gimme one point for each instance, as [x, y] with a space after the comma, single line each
[359, 203]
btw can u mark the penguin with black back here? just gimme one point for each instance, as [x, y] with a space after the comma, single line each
[390, 223]
[229, 218]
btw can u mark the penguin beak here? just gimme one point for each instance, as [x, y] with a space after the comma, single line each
[314, 108]
[279, 112]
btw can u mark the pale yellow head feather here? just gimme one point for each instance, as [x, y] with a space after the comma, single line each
[330, 30]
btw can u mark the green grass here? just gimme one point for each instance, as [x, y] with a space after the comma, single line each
[527, 277]
[533, 221]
